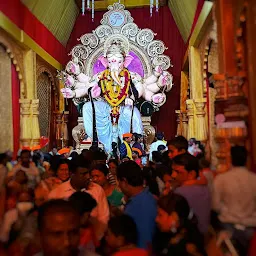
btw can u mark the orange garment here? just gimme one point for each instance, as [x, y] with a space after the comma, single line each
[132, 252]
[87, 236]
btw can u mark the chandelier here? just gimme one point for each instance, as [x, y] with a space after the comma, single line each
[90, 6]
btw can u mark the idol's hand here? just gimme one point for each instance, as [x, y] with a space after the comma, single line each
[158, 98]
[128, 102]
[67, 93]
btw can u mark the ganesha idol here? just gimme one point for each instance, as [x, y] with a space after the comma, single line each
[113, 92]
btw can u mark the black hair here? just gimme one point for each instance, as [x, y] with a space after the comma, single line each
[238, 155]
[24, 151]
[130, 171]
[36, 157]
[150, 175]
[159, 135]
[114, 161]
[187, 220]
[73, 155]
[3, 156]
[189, 162]
[161, 148]
[179, 142]
[137, 136]
[51, 207]
[56, 161]
[79, 162]
[124, 225]
[100, 167]
[83, 202]
[156, 156]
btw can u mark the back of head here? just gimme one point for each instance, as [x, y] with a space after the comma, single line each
[79, 162]
[156, 156]
[123, 225]
[159, 136]
[101, 167]
[238, 155]
[189, 162]
[3, 158]
[83, 202]
[174, 203]
[51, 207]
[179, 142]
[131, 172]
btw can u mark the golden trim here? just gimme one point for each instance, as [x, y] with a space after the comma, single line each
[102, 5]
[201, 23]
[23, 38]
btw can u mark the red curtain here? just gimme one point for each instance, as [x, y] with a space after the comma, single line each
[15, 110]
[164, 25]
[21, 16]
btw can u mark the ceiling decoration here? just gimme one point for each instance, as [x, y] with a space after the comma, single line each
[183, 12]
[58, 16]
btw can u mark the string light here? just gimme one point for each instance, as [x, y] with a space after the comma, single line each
[83, 7]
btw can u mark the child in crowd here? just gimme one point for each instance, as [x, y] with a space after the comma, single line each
[121, 237]
[177, 146]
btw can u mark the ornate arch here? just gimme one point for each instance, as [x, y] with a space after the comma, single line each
[16, 55]
[42, 67]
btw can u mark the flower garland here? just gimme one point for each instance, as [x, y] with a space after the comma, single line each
[115, 98]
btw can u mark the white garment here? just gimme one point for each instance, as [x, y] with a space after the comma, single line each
[32, 173]
[100, 214]
[234, 197]
[154, 146]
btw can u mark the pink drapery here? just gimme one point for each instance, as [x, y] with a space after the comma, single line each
[15, 109]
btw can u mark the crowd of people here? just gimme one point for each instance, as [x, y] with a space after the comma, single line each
[163, 202]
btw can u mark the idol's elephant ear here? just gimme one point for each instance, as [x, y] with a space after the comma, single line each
[104, 61]
[127, 61]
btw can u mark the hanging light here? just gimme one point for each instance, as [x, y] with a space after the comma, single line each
[83, 7]
[157, 5]
[88, 7]
[151, 7]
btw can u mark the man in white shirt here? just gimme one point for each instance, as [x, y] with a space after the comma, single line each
[28, 167]
[154, 145]
[80, 180]
[234, 196]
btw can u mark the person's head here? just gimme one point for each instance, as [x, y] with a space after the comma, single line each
[112, 164]
[54, 151]
[73, 155]
[3, 159]
[176, 146]
[84, 203]
[138, 138]
[191, 142]
[21, 177]
[80, 168]
[167, 179]
[38, 158]
[99, 174]
[238, 156]
[127, 137]
[173, 212]
[185, 167]
[161, 148]
[156, 157]
[62, 170]
[122, 231]
[136, 153]
[159, 136]
[25, 157]
[58, 224]
[129, 176]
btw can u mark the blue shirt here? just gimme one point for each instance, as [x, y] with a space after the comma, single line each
[143, 209]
